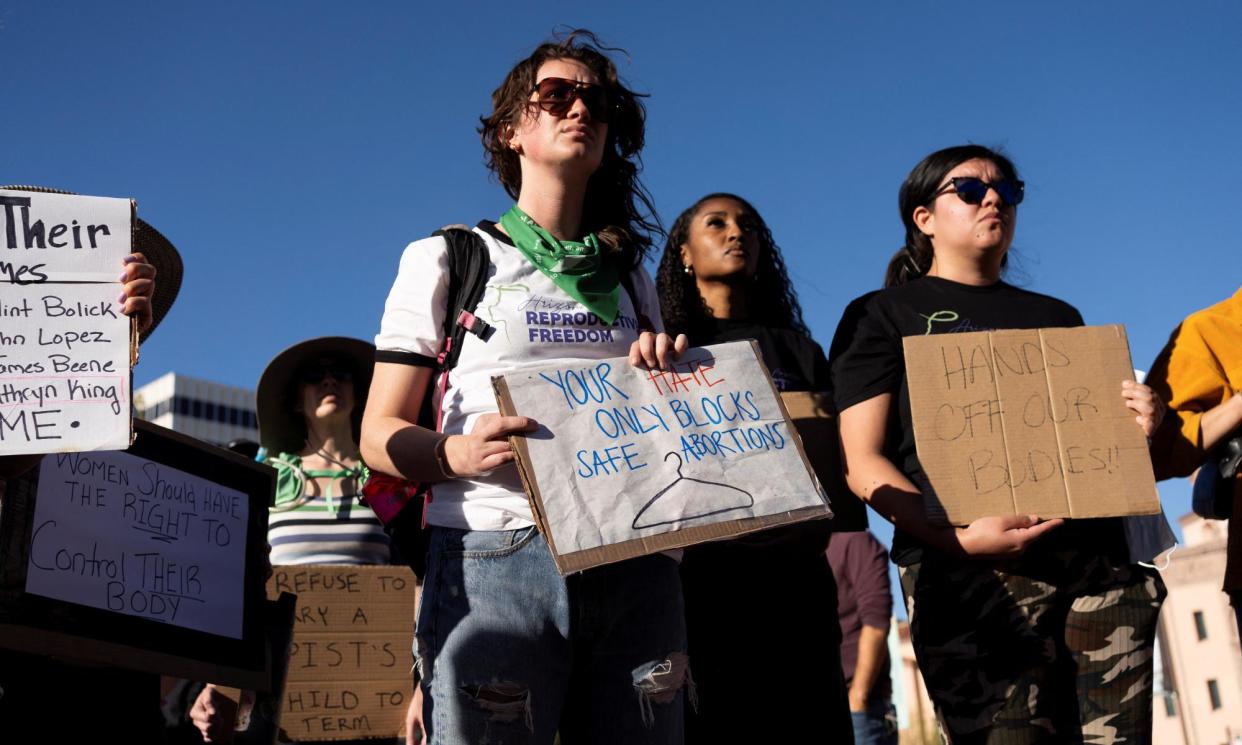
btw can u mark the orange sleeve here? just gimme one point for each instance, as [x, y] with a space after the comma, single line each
[1189, 379]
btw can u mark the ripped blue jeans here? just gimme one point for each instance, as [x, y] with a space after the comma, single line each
[511, 652]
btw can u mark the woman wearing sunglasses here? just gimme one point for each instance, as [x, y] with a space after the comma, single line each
[722, 279]
[508, 650]
[1026, 630]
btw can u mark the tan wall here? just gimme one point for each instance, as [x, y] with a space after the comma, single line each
[1193, 577]
[923, 729]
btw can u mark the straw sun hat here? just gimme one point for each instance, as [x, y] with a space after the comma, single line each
[282, 428]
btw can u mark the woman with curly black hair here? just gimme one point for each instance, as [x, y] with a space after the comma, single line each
[774, 673]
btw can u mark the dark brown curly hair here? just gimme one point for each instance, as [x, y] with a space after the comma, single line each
[617, 207]
[772, 300]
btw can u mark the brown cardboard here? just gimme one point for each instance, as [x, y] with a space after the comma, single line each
[133, 320]
[813, 415]
[576, 561]
[349, 662]
[1028, 422]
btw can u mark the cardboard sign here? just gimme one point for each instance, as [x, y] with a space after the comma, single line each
[150, 559]
[65, 347]
[349, 663]
[628, 461]
[1028, 422]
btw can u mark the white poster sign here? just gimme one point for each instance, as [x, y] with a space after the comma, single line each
[129, 535]
[623, 453]
[64, 344]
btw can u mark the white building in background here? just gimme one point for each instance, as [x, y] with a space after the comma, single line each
[209, 411]
[1199, 685]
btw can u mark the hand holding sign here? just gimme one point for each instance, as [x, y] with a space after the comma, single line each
[138, 280]
[1003, 537]
[487, 446]
[657, 351]
[1144, 402]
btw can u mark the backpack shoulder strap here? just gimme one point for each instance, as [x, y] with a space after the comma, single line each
[468, 260]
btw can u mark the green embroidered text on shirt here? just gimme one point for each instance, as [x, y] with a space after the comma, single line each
[940, 316]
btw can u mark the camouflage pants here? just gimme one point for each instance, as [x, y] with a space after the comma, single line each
[1060, 655]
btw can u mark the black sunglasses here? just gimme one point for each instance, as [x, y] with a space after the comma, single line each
[316, 374]
[972, 190]
[556, 96]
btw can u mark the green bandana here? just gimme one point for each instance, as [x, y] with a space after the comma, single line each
[579, 269]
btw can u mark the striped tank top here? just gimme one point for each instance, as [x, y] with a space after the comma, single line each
[324, 528]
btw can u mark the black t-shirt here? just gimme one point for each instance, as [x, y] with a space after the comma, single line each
[797, 363]
[867, 360]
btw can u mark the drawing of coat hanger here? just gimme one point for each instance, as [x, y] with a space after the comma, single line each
[718, 490]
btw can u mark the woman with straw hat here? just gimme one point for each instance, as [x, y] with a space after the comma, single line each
[310, 402]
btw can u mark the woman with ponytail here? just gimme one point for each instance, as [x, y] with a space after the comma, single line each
[1026, 630]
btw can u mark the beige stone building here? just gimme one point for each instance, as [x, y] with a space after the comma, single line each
[1199, 679]
[918, 719]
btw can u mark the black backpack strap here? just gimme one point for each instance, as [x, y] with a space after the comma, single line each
[468, 263]
[468, 260]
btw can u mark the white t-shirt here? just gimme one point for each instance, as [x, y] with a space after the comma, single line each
[535, 323]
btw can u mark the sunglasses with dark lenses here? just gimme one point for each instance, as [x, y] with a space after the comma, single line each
[972, 190]
[556, 96]
[317, 374]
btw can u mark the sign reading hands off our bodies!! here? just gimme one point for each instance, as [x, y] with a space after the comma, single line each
[628, 461]
[65, 347]
[1028, 422]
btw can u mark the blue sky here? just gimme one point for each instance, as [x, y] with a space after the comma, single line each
[291, 150]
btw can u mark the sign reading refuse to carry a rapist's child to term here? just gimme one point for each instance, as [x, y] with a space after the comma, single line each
[349, 662]
[65, 346]
[629, 461]
[1028, 422]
